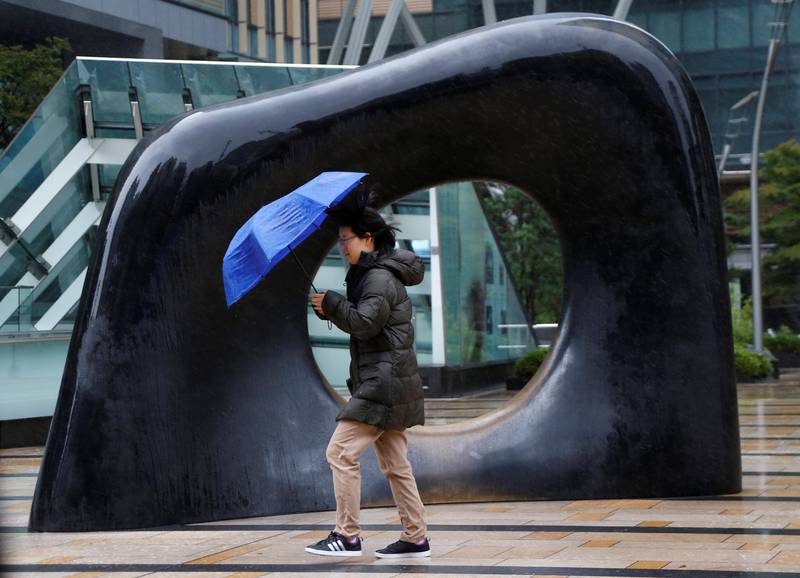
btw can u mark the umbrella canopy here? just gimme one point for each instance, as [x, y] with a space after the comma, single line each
[277, 228]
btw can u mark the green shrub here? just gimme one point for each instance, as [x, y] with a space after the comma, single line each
[743, 323]
[527, 365]
[785, 341]
[749, 363]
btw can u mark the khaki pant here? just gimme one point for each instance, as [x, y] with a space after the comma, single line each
[348, 443]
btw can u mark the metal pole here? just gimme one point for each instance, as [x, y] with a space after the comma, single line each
[342, 32]
[356, 43]
[411, 26]
[622, 9]
[726, 150]
[755, 244]
[736, 123]
[489, 14]
[387, 28]
[438, 348]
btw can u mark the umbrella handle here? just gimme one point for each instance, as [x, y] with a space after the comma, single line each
[303, 269]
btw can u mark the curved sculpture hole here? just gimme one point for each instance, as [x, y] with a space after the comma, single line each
[491, 296]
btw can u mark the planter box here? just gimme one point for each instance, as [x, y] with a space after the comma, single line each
[516, 383]
[747, 379]
[788, 359]
[467, 379]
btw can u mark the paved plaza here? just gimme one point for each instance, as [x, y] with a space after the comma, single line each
[755, 533]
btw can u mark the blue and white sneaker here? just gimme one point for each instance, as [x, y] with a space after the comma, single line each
[336, 545]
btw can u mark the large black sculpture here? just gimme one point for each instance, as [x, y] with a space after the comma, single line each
[174, 409]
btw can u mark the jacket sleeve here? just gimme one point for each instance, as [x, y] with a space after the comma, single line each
[364, 319]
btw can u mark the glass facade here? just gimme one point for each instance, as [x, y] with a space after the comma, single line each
[479, 299]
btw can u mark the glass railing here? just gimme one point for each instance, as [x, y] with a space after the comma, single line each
[163, 90]
[16, 303]
[40, 145]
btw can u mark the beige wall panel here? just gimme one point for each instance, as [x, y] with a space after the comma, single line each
[313, 36]
[244, 37]
[280, 31]
[332, 9]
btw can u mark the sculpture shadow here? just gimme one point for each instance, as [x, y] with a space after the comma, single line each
[174, 409]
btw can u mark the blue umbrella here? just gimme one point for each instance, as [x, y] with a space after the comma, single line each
[277, 228]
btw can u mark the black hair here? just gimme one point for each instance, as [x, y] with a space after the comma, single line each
[370, 222]
[366, 221]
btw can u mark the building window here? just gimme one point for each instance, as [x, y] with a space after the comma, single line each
[666, 26]
[489, 324]
[733, 24]
[698, 29]
[503, 321]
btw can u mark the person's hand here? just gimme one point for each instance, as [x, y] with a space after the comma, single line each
[316, 302]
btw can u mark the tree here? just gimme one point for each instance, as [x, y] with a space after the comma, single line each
[530, 246]
[779, 208]
[26, 76]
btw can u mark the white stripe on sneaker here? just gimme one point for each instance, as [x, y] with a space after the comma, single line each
[331, 548]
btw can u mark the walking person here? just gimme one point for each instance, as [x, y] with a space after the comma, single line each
[384, 382]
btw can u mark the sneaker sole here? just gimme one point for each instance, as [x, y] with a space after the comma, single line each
[406, 555]
[332, 553]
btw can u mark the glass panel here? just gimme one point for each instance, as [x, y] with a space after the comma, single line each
[110, 82]
[763, 14]
[259, 79]
[116, 133]
[57, 215]
[40, 145]
[698, 29]
[472, 298]
[638, 19]
[60, 278]
[733, 29]
[160, 90]
[666, 26]
[303, 75]
[210, 83]
[13, 265]
[108, 176]
[17, 298]
[794, 26]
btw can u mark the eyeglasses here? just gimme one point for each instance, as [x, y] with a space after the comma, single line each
[344, 240]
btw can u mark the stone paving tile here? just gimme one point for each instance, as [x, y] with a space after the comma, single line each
[670, 546]
[789, 569]
[581, 555]
[756, 539]
[714, 539]
[555, 563]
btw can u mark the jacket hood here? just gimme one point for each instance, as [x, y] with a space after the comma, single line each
[405, 265]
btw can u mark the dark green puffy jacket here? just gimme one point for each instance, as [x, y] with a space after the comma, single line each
[384, 382]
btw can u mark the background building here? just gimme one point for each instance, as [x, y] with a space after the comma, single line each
[265, 30]
[722, 44]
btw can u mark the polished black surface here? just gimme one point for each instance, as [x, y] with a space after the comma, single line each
[174, 409]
